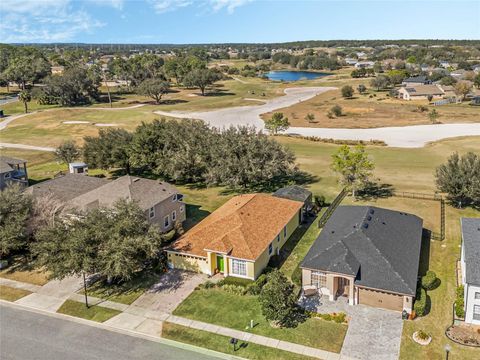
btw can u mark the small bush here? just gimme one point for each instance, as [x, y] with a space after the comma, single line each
[256, 287]
[430, 281]
[297, 276]
[234, 289]
[420, 305]
[340, 318]
[209, 284]
[232, 280]
[336, 110]
[460, 302]
[422, 335]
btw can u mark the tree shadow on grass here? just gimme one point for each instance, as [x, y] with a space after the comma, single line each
[375, 191]
[194, 215]
[172, 102]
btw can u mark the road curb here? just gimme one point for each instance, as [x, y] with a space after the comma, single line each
[133, 333]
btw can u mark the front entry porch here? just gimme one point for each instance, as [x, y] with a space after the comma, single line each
[334, 285]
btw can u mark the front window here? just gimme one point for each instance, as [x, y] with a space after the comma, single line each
[285, 232]
[174, 215]
[151, 212]
[278, 238]
[476, 312]
[239, 267]
[166, 221]
[319, 279]
[270, 249]
[477, 295]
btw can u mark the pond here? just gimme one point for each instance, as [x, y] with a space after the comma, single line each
[285, 75]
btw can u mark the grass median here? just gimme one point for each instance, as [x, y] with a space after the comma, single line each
[94, 313]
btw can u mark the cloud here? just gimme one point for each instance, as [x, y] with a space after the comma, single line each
[43, 21]
[163, 6]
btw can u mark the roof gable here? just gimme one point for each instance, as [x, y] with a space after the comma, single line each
[471, 245]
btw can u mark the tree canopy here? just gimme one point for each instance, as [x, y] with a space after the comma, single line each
[201, 78]
[67, 152]
[353, 166]
[278, 122]
[154, 88]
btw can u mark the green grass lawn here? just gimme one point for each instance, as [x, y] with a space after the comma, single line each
[222, 308]
[94, 313]
[21, 269]
[12, 294]
[221, 343]
[124, 293]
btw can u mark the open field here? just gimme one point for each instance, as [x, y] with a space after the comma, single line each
[371, 110]
[221, 343]
[222, 308]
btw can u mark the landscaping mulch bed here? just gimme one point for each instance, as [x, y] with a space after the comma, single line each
[464, 334]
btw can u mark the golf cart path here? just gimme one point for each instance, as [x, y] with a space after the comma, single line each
[399, 136]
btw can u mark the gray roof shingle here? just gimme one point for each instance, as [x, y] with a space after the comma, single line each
[471, 245]
[66, 187]
[380, 247]
[145, 192]
[6, 163]
[293, 192]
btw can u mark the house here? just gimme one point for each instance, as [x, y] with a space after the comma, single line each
[351, 61]
[367, 254]
[459, 74]
[161, 202]
[420, 92]
[364, 65]
[297, 193]
[470, 263]
[239, 238]
[58, 70]
[416, 80]
[13, 171]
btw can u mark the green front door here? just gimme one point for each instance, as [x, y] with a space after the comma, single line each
[220, 264]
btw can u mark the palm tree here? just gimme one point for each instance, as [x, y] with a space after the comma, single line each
[25, 97]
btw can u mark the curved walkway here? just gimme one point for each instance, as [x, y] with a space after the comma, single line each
[401, 136]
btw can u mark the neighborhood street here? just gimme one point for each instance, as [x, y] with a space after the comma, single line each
[27, 335]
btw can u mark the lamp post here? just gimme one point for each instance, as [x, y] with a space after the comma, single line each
[234, 342]
[447, 350]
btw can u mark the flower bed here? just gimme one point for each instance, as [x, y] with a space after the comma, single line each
[421, 337]
[464, 335]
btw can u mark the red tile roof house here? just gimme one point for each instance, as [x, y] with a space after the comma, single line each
[239, 238]
[367, 254]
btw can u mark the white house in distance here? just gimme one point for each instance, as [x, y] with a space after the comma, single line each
[470, 261]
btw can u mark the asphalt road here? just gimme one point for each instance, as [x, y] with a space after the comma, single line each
[25, 335]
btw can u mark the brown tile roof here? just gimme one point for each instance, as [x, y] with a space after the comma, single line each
[243, 227]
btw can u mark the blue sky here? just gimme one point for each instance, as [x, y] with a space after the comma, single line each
[217, 21]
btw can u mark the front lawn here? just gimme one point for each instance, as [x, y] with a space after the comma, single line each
[12, 294]
[22, 270]
[222, 308]
[124, 293]
[94, 313]
[222, 344]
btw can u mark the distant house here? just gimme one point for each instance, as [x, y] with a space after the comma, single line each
[351, 61]
[13, 171]
[58, 70]
[364, 65]
[297, 193]
[444, 64]
[368, 255]
[470, 263]
[239, 238]
[420, 92]
[416, 80]
[161, 202]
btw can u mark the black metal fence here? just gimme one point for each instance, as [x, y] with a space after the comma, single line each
[326, 215]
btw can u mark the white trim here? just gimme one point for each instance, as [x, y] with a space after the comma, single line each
[241, 276]
[182, 253]
[238, 262]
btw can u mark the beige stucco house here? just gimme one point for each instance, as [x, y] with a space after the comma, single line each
[162, 202]
[239, 238]
[368, 255]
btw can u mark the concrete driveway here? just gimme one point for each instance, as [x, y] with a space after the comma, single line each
[372, 333]
[169, 292]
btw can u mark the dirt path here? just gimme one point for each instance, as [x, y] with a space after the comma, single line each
[405, 136]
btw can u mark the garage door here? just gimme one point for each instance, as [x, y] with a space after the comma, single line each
[380, 299]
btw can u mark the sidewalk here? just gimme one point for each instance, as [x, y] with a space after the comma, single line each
[144, 321]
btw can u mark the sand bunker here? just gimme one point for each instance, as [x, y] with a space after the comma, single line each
[100, 124]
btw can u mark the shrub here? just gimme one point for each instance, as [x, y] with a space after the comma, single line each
[420, 305]
[297, 276]
[209, 284]
[234, 289]
[232, 280]
[256, 287]
[460, 302]
[340, 318]
[422, 335]
[430, 281]
[336, 110]
[347, 91]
